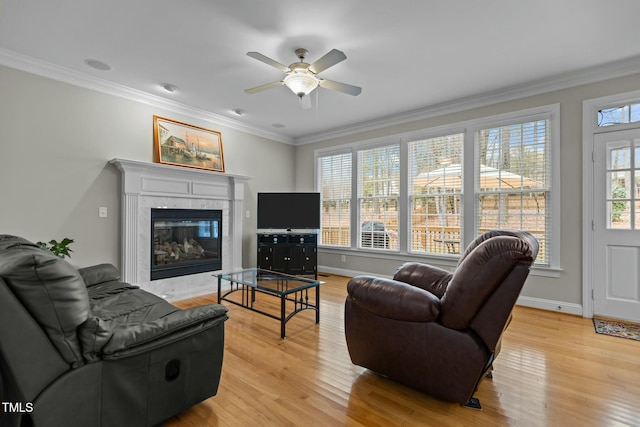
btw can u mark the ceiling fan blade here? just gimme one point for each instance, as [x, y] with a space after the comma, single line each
[263, 87]
[305, 102]
[268, 61]
[329, 60]
[340, 87]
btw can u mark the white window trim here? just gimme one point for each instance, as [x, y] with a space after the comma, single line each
[444, 131]
[356, 196]
[316, 184]
[551, 112]
[469, 128]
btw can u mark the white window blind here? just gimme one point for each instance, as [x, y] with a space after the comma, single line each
[435, 194]
[334, 185]
[378, 197]
[513, 180]
[429, 193]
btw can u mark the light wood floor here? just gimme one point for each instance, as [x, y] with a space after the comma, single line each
[553, 370]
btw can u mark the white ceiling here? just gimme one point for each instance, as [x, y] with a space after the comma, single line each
[406, 55]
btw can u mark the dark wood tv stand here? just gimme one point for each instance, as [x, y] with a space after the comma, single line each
[290, 253]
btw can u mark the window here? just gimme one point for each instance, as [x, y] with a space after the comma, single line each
[435, 194]
[624, 114]
[623, 184]
[378, 196]
[334, 185]
[430, 193]
[513, 180]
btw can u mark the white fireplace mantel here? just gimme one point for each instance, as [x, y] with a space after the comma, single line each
[152, 185]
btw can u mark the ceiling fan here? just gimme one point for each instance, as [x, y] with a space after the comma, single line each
[301, 78]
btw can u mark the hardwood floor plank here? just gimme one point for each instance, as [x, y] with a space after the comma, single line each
[553, 369]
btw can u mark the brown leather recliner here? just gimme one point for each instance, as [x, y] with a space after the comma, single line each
[437, 331]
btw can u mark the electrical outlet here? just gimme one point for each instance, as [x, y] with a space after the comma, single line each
[343, 258]
[102, 212]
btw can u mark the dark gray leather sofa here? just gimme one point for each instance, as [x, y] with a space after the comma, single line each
[81, 348]
[438, 331]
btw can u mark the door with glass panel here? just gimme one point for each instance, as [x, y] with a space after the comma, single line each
[616, 252]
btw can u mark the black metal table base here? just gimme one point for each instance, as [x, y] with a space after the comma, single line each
[300, 299]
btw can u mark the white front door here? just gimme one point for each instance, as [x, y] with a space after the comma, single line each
[616, 231]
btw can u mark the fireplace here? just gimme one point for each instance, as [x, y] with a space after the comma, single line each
[185, 241]
[147, 186]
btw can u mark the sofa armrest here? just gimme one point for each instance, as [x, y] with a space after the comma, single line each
[129, 340]
[427, 277]
[100, 273]
[393, 299]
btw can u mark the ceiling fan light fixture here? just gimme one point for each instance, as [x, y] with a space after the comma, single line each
[301, 83]
[301, 77]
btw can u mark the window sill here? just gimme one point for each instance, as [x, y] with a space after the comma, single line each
[448, 262]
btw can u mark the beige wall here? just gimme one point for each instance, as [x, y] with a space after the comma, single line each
[55, 142]
[568, 287]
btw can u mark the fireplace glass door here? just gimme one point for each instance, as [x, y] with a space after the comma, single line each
[185, 241]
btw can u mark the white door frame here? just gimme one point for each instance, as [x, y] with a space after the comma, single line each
[590, 128]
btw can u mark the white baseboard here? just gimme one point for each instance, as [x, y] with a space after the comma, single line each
[543, 304]
[345, 272]
[194, 292]
[550, 305]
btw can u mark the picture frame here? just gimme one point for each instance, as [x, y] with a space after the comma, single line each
[182, 144]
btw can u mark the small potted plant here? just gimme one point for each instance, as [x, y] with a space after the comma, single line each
[60, 249]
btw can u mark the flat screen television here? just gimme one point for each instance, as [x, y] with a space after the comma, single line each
[289, 211]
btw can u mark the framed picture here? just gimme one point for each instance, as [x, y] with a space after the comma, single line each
[186, 145]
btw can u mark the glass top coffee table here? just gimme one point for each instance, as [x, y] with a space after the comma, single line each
[293, 290]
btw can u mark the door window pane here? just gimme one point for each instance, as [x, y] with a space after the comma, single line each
[620, 158]
[619, 215]
[623, 179]
[619, 185]
[623, 114]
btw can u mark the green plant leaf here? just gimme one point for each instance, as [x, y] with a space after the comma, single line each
[60, 249]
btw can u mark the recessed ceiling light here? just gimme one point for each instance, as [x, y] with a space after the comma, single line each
[169, 87]
[277, 125]
[238, 111]
[98, 65]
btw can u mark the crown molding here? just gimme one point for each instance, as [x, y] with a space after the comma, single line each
[595, 74]
[621, 68]
[31, 65]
